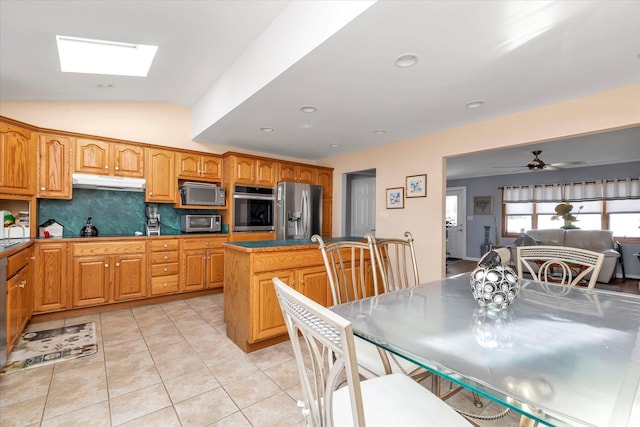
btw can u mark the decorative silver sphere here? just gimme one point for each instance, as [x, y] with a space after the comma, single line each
[494, 287]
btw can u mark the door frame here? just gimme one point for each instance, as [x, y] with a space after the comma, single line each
[462, 216]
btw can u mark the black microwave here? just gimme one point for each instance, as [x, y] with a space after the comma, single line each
[200, 193]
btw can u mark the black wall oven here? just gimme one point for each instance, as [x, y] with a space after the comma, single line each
[253, 208]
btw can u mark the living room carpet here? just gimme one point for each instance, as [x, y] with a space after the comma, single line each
[40, 348]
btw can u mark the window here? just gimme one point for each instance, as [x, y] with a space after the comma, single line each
[607, 205]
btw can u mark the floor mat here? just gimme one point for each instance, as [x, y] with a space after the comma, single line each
[40, 348]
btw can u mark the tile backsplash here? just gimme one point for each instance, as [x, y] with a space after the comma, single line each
[114, 213]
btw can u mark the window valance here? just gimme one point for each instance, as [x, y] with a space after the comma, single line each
[610, 189]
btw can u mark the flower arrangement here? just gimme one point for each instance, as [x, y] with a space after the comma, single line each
[563, 211]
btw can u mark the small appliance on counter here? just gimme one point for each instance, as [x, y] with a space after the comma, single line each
[50, 228]
[153, 219]
[89, 230]
[200, 223]
[203, 194]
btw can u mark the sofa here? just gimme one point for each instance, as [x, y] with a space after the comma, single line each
[593, 240]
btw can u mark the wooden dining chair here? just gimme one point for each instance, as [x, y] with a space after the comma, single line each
[329, 360]
[560, 264]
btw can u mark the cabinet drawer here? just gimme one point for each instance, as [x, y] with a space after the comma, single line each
[164, 284]
[164, 257]
[164, 245]
[109, 248]
[17, 261]
[164, 269]
[205, 243]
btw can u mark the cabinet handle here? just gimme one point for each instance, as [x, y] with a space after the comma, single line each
[293, 282]
[166, 257]
[165, 285]
[117, 264]
[23, 283]
[165, 245]
[42, 189]
[166, 269]
[32, 257]
[106, 266]
[117, 168]
[106, 167]
[151, 194]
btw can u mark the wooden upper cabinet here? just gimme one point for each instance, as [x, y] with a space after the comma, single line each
[325, 179]
[160, 176]
[199, 167]
[109, 158]
[128, 160]
[54, 166]
[254, 171]
[297, 173]
[17, 160]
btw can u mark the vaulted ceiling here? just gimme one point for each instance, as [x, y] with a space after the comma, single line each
[248, 65]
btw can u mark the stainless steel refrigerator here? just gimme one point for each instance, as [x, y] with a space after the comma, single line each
[299, 210]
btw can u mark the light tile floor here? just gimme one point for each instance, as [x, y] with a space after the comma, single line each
[166, 365]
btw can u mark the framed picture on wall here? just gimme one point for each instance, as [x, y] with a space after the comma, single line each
[417, 186]
[483, 205]
[395, 198]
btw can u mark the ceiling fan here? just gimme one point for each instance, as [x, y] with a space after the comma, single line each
[537, 163]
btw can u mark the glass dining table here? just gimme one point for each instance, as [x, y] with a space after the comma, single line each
[559, 355]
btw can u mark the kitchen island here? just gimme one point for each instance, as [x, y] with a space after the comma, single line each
[251, 309]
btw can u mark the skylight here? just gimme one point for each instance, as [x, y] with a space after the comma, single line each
[78, 55]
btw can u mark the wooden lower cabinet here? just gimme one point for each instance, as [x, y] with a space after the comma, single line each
[108, 272]
[253, 315]
[19, 294]
[202, 263]
[51, 278]
[311, 282]
[164, 272]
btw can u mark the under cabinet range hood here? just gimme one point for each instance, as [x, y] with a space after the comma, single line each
[113, 183]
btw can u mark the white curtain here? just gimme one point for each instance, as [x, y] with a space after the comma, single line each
[612, 189]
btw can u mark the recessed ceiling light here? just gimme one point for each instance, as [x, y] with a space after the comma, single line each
[380, 132]
[334, 145]
[406, 60]
[306, 126]
[475, 104]
[104, 85]
[89, 56]
[266, 129]
[308, 109]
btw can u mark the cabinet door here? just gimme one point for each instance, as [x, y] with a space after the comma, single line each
[188, 165]
[306, 174]
[215, 273]
[161, 178]
[314, 283]
[327, 221]
[13, 309]
[324, 178]
[211, 168]
[91, 276]
[92, 156]
[194, 270]
[265, 314]
[287, 172]
[128, 160]
[17, 160]
[129, 278]
[266, 173]
[245, 170]
[51, 277]
[54, 167]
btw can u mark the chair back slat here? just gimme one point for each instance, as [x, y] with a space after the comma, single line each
[561, 264]
[328, 355]
[396, 260]
[350, 267]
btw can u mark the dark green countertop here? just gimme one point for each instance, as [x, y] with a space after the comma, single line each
[259, 244]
